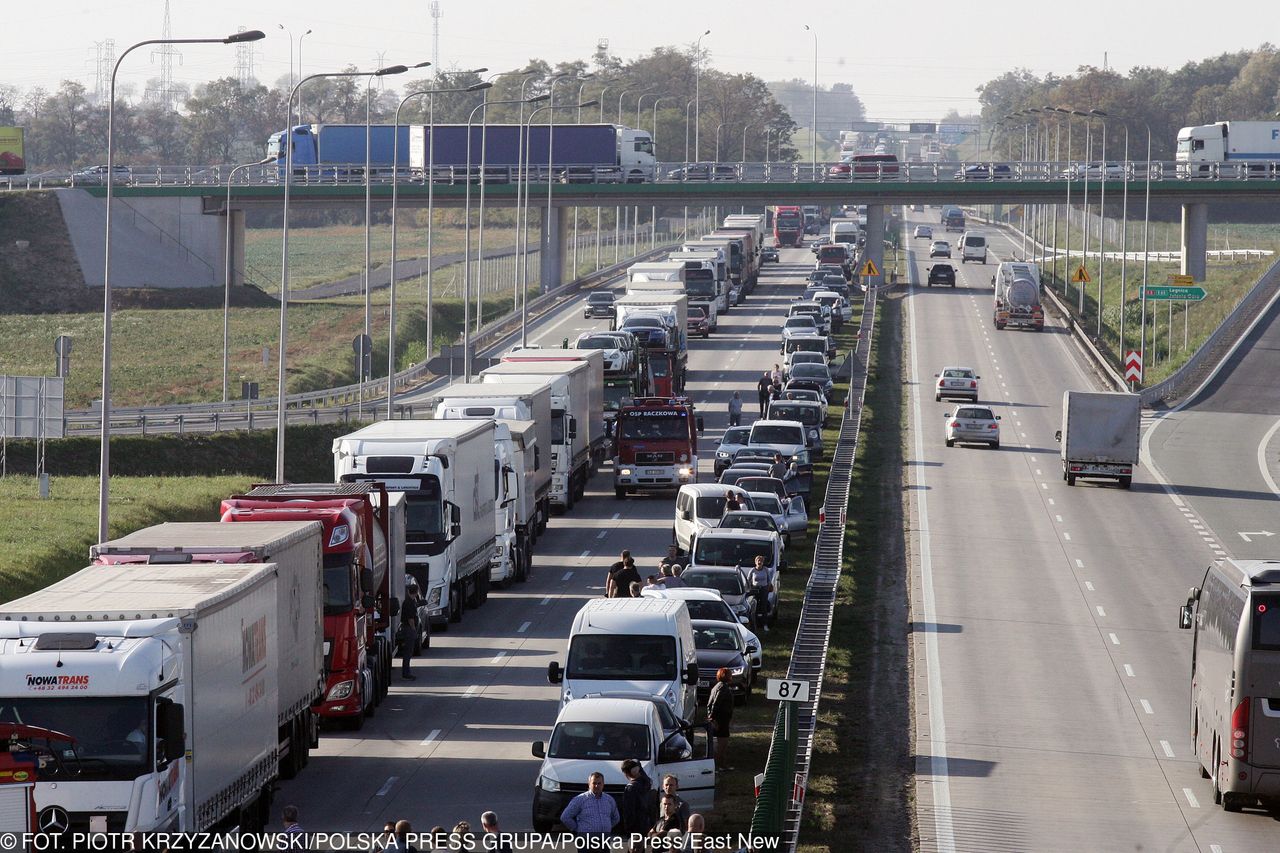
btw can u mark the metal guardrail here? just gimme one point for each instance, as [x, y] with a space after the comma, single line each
[781, 803]
[341, 402]
[1015, 171]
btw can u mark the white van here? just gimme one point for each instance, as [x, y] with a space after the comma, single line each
[699, 507]
[597, 735]
[631, 644]
[973, 247]
[1234, 617]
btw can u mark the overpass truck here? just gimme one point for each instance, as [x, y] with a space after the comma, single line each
[296, 550]
[363, 535]
[1200, 146]
[146, 696]
[1100, 435]
[595, 152]
[578, 437]
[449, 474]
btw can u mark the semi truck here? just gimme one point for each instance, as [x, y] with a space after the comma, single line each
[577, 412]
[296, 550]
[527, 402]
[750, 251]
[668, 353]
[146, 696]
[363, 578]
[655, 445]
[1016, 288]
[595, 152]
[732, 246]
[1100, 435]
[450, 477]
[704, 284]
[1251, 142]
[718, 256]
[788, 225]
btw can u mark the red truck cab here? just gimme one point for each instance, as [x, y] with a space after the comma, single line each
[357, 604]
[655, 445]
[788, 225]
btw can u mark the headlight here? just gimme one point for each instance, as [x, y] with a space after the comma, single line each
[433, 600]
[340, 534]
[722, 454]
[813, 433]
[340, 691]
[686, 471]
[626, 472]
[548, 784]
[739, 608]
[684, 457]
[738, 670]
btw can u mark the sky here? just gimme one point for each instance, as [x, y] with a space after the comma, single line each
[908, 62]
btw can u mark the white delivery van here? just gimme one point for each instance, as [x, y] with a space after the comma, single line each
[641, 644]
[973, 247]
[699, 507]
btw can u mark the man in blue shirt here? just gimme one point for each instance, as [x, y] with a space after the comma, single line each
[593, 811]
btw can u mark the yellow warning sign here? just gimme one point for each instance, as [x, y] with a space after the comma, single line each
[868, 268]
[1081, 275]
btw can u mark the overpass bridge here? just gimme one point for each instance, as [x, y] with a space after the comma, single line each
[206, 191]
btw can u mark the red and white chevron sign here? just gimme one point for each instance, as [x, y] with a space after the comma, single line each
[1133, 366]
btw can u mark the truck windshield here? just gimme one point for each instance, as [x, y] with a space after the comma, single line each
[599, 741]
[655, 426]
[614, 395]
[629, 657]
[84, 737]
[557, 426]
[790, 220]
[423, 513]
[337, 584]
[700, 283]
[714, 551]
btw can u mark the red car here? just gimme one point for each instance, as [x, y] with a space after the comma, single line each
[698, 324]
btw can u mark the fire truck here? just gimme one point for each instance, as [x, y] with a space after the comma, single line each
[655, 445]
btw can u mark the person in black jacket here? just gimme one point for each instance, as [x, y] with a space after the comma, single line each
[720, 715]
[637, 799]
[764, 385]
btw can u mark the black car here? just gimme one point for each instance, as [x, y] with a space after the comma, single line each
[599, 304]
[942, 275]
[719, 645]
[769, 253]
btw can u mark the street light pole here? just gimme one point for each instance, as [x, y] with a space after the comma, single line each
[104, 461]
[719, 127]
[300, 38]
[1084, 237]
[813, 142]
[281, 386]
[697, 92]
[1102, 214]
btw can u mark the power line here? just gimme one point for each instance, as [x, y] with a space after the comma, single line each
[165, 93]
[436, 14]
[244, 63]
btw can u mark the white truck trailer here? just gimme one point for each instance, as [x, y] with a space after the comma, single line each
[1254, 142]
[1100, 435]
[147, 694]
[447, 471]
[296, 549]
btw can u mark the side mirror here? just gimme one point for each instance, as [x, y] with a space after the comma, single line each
[690, 674]
[1057, 436]
[554, 674]
[997, 417]
[539, 751]
[751, 648]
[573, 427]
[366, 580]
[1184, 616]
[947, 415]
[170, 729]
[700, 426]
[455, 530]
[455, 514]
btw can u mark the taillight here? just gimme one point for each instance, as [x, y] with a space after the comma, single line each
[1240, 729]
[993, 426]
[955, 424]
[973, 384]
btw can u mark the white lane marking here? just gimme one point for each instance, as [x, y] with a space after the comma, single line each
[1019, 423]
[544, 602]
[1168, 750]
[1101, 612]
[1191, 798]
[498, 657]
[1128, 670]
[1146, 706]
[1115, 641]
[426, 741]
[1262, 459]
[1066, 536]
[1079, 564]
[524, 627]
[1088, 585]
[470, 691]
[1197, 525]
[1050, 500]
[567, 576]
[386, 786]
[604, 533]
[617, 515]
[1215, 848]
[1058, 517]
[944, 831]
[584, 555]
[1044, 485]
[1039, 473]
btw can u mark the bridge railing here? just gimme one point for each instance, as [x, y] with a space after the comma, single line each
[982, 171]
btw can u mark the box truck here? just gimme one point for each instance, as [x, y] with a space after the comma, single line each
[1100, 435]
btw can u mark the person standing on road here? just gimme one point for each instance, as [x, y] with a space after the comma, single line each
[670, 579]
[593, 812]
[669, 820]
[735, 409]
[778, 469]
[720, 715]
[764, 386]
[610, 584]
[776, 375]
[671, 788]
[673, 554]
[624, 577]
[761, 586]
[400, 836]
[637, 799]
[489, 823]
[408, 628]
[289, 817]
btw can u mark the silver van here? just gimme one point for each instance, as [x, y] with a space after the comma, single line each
[1234, 617]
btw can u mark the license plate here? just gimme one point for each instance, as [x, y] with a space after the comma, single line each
[653, 472]
[956, 384]
[704, 682]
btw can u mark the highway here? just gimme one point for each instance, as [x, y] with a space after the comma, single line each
[1050, 680]
[456, 741]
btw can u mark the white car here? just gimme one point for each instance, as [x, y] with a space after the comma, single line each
[616, 359]
[972, 424]
[788, 513]
[707, 604]
[801, 357]
[956, 382]
[924, 232]
[796, 327]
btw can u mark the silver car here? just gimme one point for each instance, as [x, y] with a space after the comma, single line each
[973, 424]
[788, 513]
[733, 440]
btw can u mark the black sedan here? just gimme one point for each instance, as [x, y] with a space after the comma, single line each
[943, 275]
[769, 253]
[599, 304]
[720, 645]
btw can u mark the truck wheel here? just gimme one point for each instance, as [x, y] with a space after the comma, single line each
[1126, 482]
[289, 764]
[473, 595]
[950, 442]
[1071, 479]
[484, 588]
[455, 603]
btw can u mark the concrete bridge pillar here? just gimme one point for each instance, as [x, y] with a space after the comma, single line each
[1195, 239]
[874, 250]
[233, 231]
[553, 244]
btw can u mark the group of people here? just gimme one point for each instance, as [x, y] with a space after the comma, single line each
[769, 387]
[624, 581]
[642, 812]
[399, 834]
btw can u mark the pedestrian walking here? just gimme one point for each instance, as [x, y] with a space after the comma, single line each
[778, 469]
[671, 788]
[593, 812]
[764, 385]
[735, 409]
[720, 715]
[614, 568]
[761, 586]
[637, 799]
[408, 628]
[623, 578]
[776, 375]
